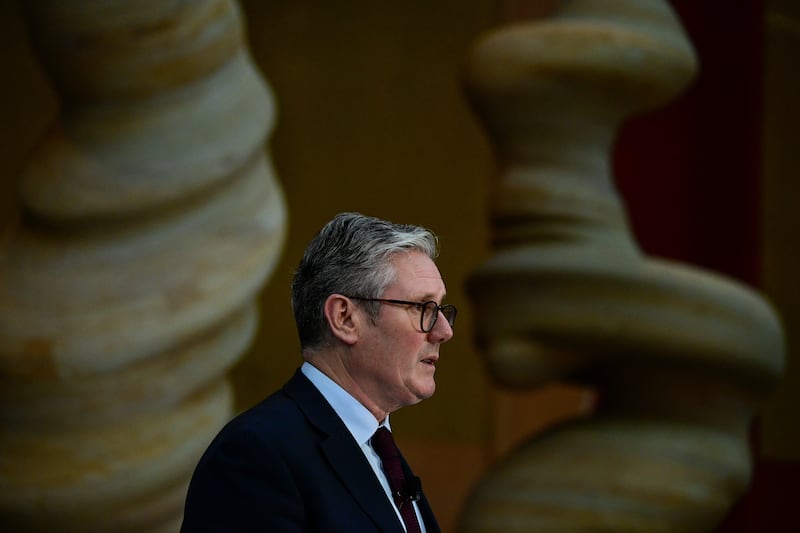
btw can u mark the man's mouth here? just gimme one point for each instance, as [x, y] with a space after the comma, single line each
[430, 361]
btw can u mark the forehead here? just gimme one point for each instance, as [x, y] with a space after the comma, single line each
[418, 275]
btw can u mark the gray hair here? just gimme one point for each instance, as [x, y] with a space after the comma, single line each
[352, 256]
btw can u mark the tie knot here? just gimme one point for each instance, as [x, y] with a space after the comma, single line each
[383, 443]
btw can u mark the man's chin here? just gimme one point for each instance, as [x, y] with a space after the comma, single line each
[426, 391]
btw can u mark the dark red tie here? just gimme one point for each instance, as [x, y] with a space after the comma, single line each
[383, 444]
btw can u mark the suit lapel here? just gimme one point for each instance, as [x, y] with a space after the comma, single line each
[343, 454]
[352, 467]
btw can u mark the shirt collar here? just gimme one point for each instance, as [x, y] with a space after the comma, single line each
[357, 418]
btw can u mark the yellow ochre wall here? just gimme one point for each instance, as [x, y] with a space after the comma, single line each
[781, 218]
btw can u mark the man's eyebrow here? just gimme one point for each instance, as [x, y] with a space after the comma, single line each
[429, 297]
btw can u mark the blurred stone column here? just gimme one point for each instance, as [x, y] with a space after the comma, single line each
[151, 219]
[679, 357]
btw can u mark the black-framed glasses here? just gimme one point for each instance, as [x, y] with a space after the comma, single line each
[429, 311]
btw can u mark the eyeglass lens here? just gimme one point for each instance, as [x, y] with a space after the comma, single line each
[430, 312]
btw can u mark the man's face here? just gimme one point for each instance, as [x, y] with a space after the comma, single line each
[396, 361]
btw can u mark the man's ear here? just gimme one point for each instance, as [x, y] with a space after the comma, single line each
[339, 312]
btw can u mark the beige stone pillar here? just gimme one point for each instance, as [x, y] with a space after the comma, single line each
[151, 219]
[680, 357]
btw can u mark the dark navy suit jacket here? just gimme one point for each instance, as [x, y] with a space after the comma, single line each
[289, 464]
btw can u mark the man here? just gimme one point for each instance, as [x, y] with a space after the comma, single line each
[367, 300]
